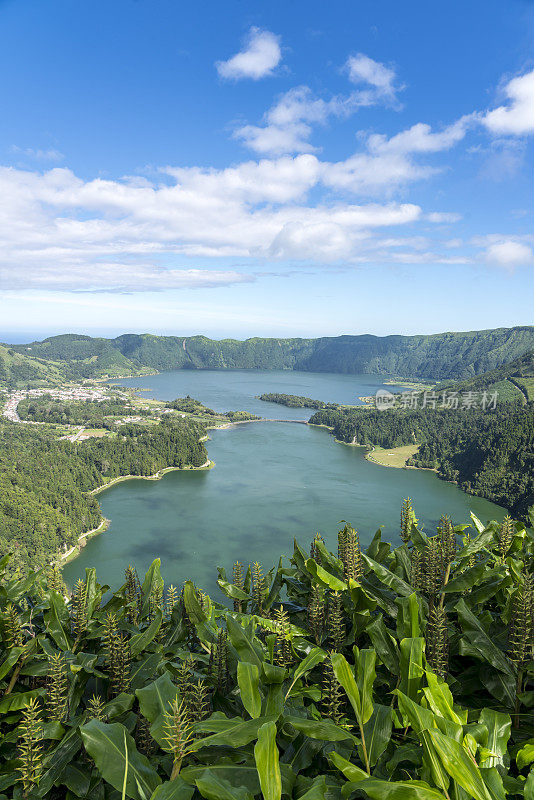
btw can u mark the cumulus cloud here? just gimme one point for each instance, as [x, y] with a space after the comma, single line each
[59, 231]
[517, 117]
[509, 254]
[259, 58]
[288, 123]
[363, 69]
[287, 126]
[420, 139]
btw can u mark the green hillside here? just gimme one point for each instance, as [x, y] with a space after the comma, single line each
[17, 369]
[443, 356]
[514, 381]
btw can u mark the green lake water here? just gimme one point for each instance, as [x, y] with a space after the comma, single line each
[271, 482]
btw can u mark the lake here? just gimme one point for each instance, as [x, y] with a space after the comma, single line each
[271, 482]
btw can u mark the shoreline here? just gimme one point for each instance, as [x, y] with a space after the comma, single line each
[70, 555]
[76, 549]
[155, 477]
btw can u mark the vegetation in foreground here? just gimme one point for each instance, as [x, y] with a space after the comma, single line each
[488, 453]
[392, 673]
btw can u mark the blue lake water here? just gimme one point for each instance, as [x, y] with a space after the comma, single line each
[271, 482]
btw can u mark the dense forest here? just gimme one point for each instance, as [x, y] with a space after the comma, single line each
[295, 401]
[45, 483]
[94, 413]
[395, 673]
[489, 453]
[440, 356]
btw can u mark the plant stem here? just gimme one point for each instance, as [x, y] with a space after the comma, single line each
[364, 749]
[176, 768]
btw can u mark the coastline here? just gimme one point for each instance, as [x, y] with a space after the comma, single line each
[65, 558]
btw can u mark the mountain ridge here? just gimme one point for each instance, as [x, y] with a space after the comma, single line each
[441, 356]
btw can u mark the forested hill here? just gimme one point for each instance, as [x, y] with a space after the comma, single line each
[488, 453]
[515, 380]
[443, 356]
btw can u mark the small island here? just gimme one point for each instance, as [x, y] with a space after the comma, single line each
[296, 401]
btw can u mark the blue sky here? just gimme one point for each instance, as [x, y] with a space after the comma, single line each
[240, 169]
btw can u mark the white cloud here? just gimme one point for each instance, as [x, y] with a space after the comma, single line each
[420, 139]
[116, 277]
[516, 118]
[37, 154]
[509, 254]
[60, 231]
[363, 69]
[258, 59]
[288, 124]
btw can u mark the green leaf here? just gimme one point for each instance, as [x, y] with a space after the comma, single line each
[267, 762]
[245, 649]
[109, 746]
[394, 790]
[314, 657]
[152, 585]
[248, 679]
[57, 620]
[9, 662]
[155, 698]
[439, 698]
[498, 726]
[415, 715]
[324, 577]
[214, 787]
[238, 735]
[349, 770]
[408, 617]
[231, 590]
[388, 578]
[377, 732]
[322, 729]
[345, 677]
[177, 789]
[18, 700]
[526, 755]
[384, 644]
[411, 666]
[460, 765]
[529, 786]
[241, 774]
[317, 791]
[477, 642]
[194, 610]
[365, 678]
[140, 641]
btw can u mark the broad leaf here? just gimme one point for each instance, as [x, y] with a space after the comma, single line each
[267, 762]
[248, 678]
[114, 752]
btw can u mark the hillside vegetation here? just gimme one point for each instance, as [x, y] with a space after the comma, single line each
[46, 483]
[17, 368]
[441, 356]
[512, 381]
[392, 674]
